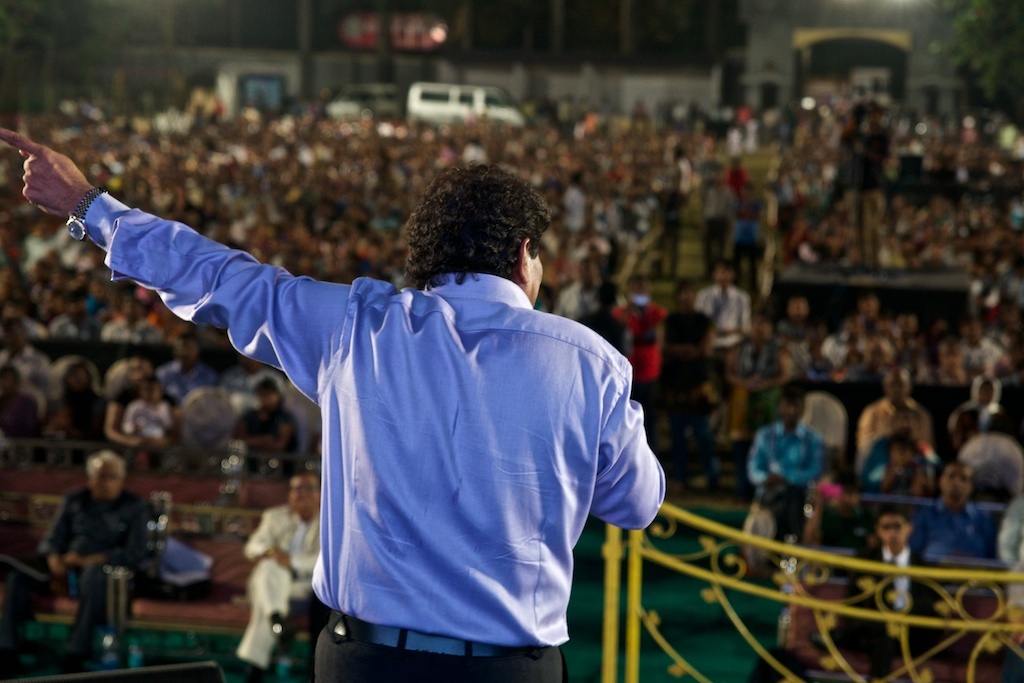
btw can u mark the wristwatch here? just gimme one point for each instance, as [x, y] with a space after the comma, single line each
[76, 221]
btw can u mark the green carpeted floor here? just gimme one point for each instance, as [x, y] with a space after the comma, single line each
[699, 631]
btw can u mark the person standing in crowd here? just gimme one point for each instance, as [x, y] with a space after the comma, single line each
[606, 323]
[688, 387]
[727, 306]
[645, 319]
[518, 478]
[100, 524]
[746, 236]
[718, 209]
[756, 371]
[867, 142]
[284, 546]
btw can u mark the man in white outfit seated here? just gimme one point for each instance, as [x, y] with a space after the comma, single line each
[285, 547]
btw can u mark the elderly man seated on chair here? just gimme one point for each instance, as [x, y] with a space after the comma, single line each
[285, 546]
[99, 525]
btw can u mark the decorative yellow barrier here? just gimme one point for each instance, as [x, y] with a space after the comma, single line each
[724, 563]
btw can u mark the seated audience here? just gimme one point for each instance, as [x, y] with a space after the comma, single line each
[150, 417]
[241, 379]
[186, 372]
[19, 411]
[981, 414]
[129, 325]
[285, 547]
[893, 529]
[904, 475]
[75, 322]
[875, 419]
[101, 524]
[32, 364]
[953, 526]
[838, 519]
[877, 458]
[138, 369]
[268, 426]
[79, 411]
[949, 371]
[785, 457]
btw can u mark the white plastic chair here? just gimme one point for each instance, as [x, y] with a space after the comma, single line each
[827, 415]
[997, 461]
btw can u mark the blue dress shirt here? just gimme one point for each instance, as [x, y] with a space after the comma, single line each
[466, 436]
[798, 456]
[941, 533]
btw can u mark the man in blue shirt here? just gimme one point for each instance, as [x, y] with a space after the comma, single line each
[785, 457]
[953, 525]
[466, 436]
[186, 372]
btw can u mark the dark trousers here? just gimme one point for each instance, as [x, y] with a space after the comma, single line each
[699, 427]
[92, 608]
[715, 232]
[319, 613]
[751, 253]
[740, 455]
[872, 637]
[345, 660]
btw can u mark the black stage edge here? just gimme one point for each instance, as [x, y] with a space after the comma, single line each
[832, 291]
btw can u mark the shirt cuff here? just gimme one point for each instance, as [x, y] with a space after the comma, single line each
[100, 219]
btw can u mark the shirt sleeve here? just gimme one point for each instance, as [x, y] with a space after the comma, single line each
[757, 464]
[919, 536]
[263, 538]
[811, 466]
[1010, 532]
[630, 484]
[58, 536]
[291, 323]
[133, 552]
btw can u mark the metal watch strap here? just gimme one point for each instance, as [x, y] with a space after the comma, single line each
[85, 202]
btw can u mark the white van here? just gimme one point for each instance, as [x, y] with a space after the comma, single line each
[365, 100]
[450, 103]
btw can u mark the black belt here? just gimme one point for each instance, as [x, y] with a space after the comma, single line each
[346, 626]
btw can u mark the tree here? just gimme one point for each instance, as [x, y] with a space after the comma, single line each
[988, 38]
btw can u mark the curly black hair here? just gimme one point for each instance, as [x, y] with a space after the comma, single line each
[472, 219]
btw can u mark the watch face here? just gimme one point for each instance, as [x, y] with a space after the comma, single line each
[76, 229]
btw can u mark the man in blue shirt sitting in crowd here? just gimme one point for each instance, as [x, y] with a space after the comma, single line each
[953, 526]
[784, 458]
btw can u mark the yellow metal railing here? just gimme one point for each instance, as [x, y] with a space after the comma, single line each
[796, 578]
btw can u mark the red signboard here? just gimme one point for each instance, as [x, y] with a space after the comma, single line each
[414, 32]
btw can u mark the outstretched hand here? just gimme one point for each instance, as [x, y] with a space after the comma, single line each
[52, 181]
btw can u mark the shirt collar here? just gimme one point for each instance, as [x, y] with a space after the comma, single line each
[901, 560]
[968, 508]
[482, 286]
[798, 432]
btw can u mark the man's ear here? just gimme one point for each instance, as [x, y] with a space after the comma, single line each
[521, 270]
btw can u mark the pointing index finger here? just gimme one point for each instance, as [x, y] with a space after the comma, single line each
[20, 141]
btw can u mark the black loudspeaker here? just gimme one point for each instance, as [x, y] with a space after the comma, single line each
[201, 672]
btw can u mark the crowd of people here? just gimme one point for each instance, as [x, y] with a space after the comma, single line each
[328, 199]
